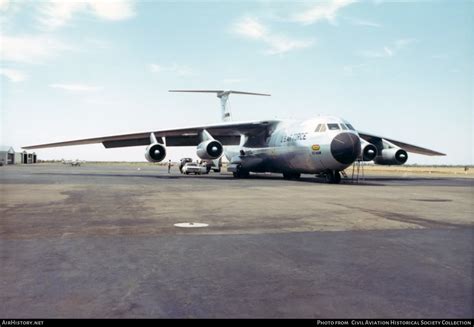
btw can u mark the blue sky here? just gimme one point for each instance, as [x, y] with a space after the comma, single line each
[74, 69]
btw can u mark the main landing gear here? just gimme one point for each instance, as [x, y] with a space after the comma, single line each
[333, 177]
[290, 176]
[241, 173]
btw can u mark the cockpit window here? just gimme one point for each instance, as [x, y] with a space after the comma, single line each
[350, 127]
[320, 128]
[333, 127]
[343, 127]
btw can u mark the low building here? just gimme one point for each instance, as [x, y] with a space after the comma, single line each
[8, 156]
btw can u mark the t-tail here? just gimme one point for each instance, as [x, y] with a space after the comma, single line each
[223, 95]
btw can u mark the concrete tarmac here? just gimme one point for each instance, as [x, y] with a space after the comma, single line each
[99, 241]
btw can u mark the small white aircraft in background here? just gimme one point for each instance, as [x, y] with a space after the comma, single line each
[76, 162]
[324, 145]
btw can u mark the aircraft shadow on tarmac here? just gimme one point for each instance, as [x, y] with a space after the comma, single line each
[165, 176]
[367, 181]
[371, 181]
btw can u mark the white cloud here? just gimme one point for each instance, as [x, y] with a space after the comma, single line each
[387, 51]
[9, 10]
[322, 10]
[363, 22]
[175, 68]
[13, 74]
[76, 87]
[30, 49]
[113, 10]
[56, 13]
[372, 54]
[154, 68]
[4, 4]
[252, 28]
[384, 53]
[280, 44]
[402, 43]
[182, 70]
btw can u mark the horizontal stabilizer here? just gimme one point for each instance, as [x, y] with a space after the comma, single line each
[223, 95]
[220, 92]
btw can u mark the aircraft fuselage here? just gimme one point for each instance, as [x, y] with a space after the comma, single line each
[297, 147]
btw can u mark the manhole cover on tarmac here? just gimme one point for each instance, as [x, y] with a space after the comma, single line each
[191, 225]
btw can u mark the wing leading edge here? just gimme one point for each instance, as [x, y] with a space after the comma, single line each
[227, 134]
[407, 147]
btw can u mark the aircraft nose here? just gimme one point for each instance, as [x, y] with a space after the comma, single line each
[345, 147]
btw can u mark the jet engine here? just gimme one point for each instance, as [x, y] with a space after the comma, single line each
[210, 149]
[392, 156]
[155, 152]
[368, 151]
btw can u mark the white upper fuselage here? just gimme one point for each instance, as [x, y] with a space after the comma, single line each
[298, 146]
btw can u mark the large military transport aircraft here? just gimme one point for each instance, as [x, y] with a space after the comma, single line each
[325, 145]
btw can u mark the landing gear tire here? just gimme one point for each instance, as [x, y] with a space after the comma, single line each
[290, 176]
[240, 173]
[333, 177]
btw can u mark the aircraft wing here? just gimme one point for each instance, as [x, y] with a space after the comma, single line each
[407, 147]
[226, 133]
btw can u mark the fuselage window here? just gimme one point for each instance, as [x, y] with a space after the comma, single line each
[343, 126]
[320, 128]
[350, 127]
[333, 127]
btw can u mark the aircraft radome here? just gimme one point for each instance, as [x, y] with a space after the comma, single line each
[325, 145]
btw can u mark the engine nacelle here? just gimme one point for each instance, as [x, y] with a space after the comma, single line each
[368, 151]
[155, 152]
[393, 156]
[211, 149]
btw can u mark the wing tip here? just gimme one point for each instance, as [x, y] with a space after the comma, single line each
[436, 153]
